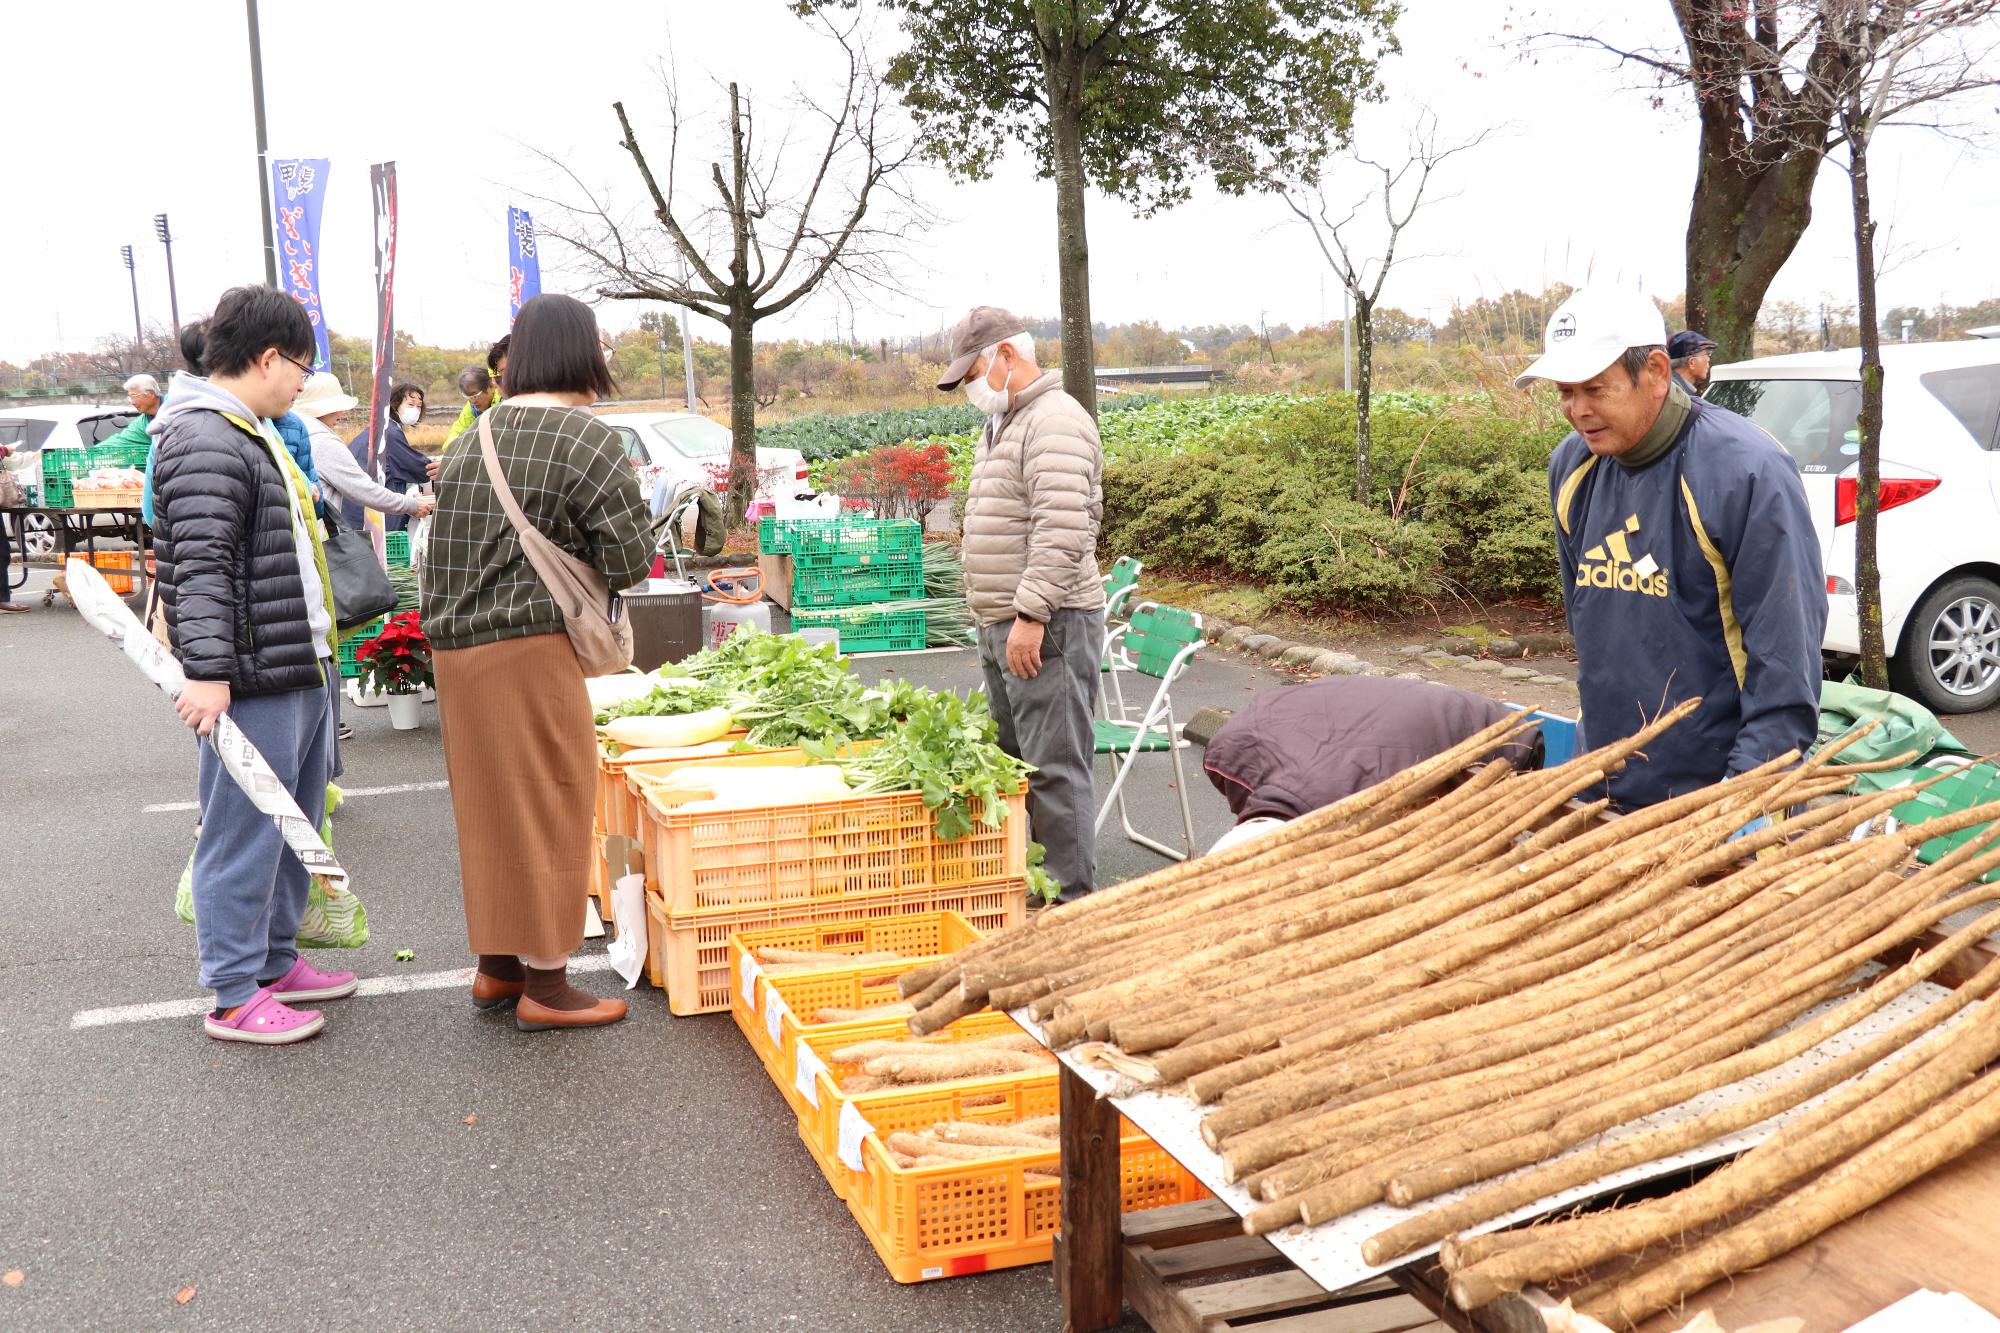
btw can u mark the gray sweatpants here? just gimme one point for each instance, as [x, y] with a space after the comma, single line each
[1047, 722]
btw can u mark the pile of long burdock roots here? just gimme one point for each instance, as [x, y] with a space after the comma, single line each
[1466, 975]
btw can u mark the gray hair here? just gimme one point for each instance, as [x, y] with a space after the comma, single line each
[474, 380]
[1023, 344]
[1634, 359]
[146, 382]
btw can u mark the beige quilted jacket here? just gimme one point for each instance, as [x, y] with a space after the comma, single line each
[1033, 510]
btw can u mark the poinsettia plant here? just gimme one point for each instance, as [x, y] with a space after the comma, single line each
[398, 660]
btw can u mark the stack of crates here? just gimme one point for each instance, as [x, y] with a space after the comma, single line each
[61, 467]
[844, 570]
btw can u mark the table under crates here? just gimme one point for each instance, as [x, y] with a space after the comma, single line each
[847, 574]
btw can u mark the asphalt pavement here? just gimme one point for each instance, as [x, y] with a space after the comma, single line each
[420, 1164]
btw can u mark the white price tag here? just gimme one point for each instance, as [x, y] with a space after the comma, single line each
[853, 1129]
[806, 1080]
[774, 1018]
[747, 980]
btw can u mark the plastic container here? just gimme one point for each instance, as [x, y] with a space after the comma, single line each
[622, 793]
[816, 850]
[857, 586]
[719, 620]
[109, 561]
[1975, 784]
[666, 622]
[773, 1011]
[688, 952]
[861, 630]
[346, 651]
[1003, 1212]
[851, 543]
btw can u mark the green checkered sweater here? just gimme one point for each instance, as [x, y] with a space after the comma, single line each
[573, 480]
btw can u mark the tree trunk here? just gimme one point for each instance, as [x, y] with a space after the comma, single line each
[742, 415]
[1364, 374]
[1743, 224]
[1867, 573]
[1065, 84]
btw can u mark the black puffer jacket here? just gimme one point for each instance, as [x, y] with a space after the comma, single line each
[228, 563]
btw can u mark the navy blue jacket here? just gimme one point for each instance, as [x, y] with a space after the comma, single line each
[1696, 576]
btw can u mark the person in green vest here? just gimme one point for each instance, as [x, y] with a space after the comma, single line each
[482, 389]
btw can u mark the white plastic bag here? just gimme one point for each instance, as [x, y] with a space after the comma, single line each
[628, 909]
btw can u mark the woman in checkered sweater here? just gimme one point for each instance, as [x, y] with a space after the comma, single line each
[511, 699]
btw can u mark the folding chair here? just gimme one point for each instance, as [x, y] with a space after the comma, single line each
[1119, 587]
[1158, 641]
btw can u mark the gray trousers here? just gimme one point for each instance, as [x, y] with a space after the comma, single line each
[1047, 722]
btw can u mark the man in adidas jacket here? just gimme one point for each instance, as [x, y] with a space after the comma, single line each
[1690, 566]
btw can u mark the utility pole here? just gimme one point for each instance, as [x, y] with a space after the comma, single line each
[263, 147]
[138, 330]
[166, 235]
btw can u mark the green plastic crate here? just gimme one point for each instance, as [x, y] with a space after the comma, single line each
[857, 586]
[58, 492]
[772, 539]
[854, 542]
[866, 631]
[396, 548]
[347, 652]
[1973, 785]
[118, 455]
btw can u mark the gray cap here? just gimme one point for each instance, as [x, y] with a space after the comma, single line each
[979, 330]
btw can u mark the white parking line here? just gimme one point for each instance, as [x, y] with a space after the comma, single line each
[389, 985]
[346, 794]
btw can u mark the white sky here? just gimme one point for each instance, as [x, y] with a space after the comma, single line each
[1589, 179]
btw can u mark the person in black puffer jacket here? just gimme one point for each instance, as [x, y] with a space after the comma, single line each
[249, 615]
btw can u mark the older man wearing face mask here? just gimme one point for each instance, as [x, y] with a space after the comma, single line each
[1690, 566]
[1031, 578]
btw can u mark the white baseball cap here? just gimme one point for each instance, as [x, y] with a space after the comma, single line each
[1591, 330]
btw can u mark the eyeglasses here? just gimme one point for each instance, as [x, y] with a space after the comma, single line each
[305, 371]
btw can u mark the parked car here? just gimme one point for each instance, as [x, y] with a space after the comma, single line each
[691, 448]
[28, 431]
[1939, 531]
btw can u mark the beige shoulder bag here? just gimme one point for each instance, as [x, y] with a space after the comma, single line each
[592, 615]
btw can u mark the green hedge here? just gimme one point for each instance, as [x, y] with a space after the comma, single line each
[1458, 506]
[825, 437]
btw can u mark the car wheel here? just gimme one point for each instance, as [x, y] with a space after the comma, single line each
[40, 531]
[1950, 660]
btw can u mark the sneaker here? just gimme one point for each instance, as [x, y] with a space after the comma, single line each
[346, 733]
[306, 983]
[264, 1021]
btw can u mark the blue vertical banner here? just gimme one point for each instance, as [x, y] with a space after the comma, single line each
[298, 184]
[524, 270]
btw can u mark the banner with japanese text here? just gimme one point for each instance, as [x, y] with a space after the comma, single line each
[524, 269]
[298, 185]
[382, 181]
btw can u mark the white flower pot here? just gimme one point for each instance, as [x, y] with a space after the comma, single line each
[406, 711]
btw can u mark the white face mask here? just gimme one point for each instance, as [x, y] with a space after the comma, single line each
[410, 416]
[991, 401]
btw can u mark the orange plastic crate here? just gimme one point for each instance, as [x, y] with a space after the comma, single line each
[946, 1221]
[108, 561]
[844, 847]
[688, 952]
[833, 1122]
[773, 1029]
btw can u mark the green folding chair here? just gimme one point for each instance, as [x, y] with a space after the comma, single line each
[1119, 587]
[1158, 641]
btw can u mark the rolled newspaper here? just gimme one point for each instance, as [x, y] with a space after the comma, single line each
[107, 611]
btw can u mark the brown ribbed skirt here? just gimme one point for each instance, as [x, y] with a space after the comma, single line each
[518, 749]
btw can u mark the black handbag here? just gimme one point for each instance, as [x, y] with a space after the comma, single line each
[361, 587]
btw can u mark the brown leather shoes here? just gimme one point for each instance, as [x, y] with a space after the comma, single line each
[532, 1016]
[491, 992]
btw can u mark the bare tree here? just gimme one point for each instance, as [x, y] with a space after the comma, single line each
[1909, 59]
[1767, 79]
[1363, 274]
[780, 224]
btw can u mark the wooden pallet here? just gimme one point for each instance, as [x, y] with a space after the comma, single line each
[1190, 1269]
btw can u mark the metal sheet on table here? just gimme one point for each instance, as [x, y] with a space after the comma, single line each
[1331, 1253]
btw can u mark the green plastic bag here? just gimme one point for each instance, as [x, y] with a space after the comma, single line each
[332, 921]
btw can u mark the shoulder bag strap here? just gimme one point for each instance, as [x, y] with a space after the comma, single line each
[549, 560]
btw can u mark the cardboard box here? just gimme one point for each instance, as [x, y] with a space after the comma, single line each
[777, 572]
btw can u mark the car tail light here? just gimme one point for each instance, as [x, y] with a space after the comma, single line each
[1839, 586]
[803, 472]
[1895, 491]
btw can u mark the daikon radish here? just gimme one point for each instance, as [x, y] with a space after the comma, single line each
[647, 733]
[706, 750]
[610, 691]
[715, 788]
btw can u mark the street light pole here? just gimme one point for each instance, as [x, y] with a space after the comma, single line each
[166, 235]
[263, 148]
[138, 330]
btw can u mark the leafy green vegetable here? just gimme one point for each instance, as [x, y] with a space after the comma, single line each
[668, 699]
[785, 691]
[1041, 884]
[948, 750]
